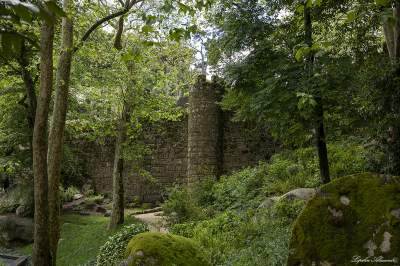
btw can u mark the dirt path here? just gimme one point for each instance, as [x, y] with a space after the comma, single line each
[154, 220]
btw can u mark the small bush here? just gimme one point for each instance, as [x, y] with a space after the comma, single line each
[240, 190]
[181, 206]
[87, 190]
[112, 252]
[67, 195]
[203, 192]
[18, 195]
[183, 229]
[94, 199]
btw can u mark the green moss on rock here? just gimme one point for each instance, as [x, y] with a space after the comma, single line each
[356, 215]
[158, 249]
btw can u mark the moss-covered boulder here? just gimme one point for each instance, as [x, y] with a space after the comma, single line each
[158, 249]
[351, 219]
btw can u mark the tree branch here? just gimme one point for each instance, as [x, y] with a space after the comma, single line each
[118, 35]
[103, 20]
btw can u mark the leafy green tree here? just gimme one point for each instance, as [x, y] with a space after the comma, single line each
[283, 70]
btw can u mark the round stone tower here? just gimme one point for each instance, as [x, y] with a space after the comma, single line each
[204, 131]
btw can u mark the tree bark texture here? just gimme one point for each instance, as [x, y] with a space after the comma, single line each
[118, 35]
[30, 91]
[56, 136]
[29, 85]
[41, 251]
[117, 215]
[321, 143]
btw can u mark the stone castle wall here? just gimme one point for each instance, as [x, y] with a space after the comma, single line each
[205, 143]
[205, 126]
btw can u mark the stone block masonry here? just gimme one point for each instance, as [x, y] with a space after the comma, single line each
[204, 143]
[204, 131]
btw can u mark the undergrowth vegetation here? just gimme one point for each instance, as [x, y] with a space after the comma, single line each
[67, 194]
[227, 219]
[112, 252]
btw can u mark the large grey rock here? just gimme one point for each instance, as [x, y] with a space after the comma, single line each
[296, 194]
[15, 229]
[300, 194]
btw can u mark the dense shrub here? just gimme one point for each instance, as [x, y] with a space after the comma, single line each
[112, 252]
[299, 168]
[17, 195]
[181, 206]
[240, 190]
[245, 238]
[224, 216]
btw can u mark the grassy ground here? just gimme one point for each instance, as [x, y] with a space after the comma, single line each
[81, 238]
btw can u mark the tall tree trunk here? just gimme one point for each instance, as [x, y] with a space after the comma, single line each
[388, 31]
[392, 38]
[57, 126]
[118, 209]
[117, 215]
[321, 142]
[30, 91]
[41, 252]
[320, 137]
[396, 29]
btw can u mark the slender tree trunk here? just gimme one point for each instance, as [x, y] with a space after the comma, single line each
[41, 252]
[118, 209]
[319, 109]
[394, 146]
[30, 91]
[117, 215]
[396, 29]
[388, 32]
[56, 135]
[32, 98]
[321, 143]
[392, 39]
